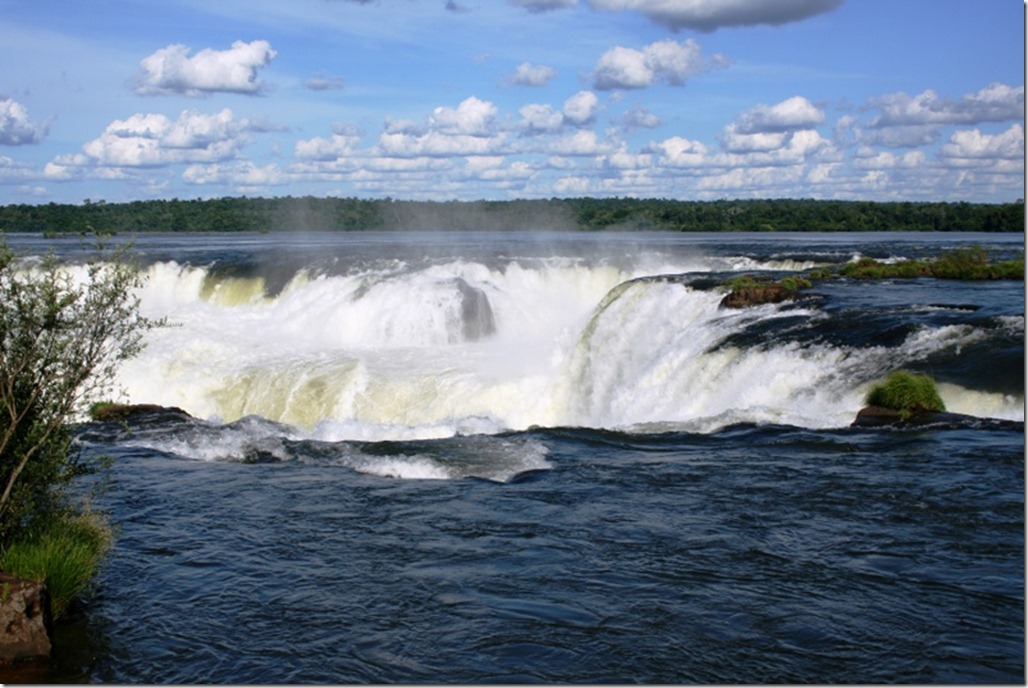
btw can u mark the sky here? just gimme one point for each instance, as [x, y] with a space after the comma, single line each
[881, 100]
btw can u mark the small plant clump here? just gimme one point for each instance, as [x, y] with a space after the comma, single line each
[64, 555]
[907, 393]
[746, 290]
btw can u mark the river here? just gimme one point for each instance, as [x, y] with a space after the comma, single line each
[471, 457]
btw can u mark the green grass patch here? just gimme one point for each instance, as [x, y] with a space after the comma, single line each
[64, 555]
[789, 283]
[966, 263]
[906, 392]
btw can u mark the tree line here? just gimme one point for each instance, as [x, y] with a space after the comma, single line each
[308, 213]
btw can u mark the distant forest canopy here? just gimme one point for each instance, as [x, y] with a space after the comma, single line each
[353, 214]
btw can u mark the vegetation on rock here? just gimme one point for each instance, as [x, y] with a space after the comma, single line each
[906, 393]
[747, 290]
[965, 263]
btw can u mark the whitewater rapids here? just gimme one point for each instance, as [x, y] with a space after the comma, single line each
[400, 350]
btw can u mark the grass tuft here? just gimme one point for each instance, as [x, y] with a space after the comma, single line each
[906, 392]
[64, 555]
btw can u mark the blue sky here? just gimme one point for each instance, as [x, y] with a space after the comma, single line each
[495, 99]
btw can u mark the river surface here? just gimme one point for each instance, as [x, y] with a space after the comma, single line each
[543, 457]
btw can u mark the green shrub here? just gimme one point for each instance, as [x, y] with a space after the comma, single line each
[62, 339]
[865, 268]
[911, 269]
[64, 555]
[966, 263]
[1009, 269]
[906, 392]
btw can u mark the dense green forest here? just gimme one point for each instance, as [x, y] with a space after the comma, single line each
[353, 214]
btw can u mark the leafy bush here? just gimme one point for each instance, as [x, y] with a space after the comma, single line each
[966, 263]
[62, 336]
[64, 555]
[906, 392]
[865, 268]
[1009, 269]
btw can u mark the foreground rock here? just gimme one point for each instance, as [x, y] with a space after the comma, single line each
[24, 620]
[879, 417]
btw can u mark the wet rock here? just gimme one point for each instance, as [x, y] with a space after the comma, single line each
[879, 417]
[757, 295]
[113, 413]
[476, 312]
[24, 619]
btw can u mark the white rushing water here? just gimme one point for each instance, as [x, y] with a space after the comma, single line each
[393, 352]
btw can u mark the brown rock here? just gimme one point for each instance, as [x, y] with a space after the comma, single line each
[757, 295]
[879, 417]
[876, 417]
[107, 413]
[24, 619]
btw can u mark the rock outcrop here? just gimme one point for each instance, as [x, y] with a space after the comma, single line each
[757, 295]
[24, 619]
[879, 417]
[112, 413]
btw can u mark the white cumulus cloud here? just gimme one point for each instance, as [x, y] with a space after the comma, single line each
[472, 117]
[16, 129]
[172, 70]
[789, 115]
[528, 74]
[537, 118]
[155, 140]
[345, 141]
[680, 152]
[995, 103]
[580, 109]
[974, 145]
[667, 61]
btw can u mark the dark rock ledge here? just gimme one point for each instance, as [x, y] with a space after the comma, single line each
[116, 413]
[879, 417]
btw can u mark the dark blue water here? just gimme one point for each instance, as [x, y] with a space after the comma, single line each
[750, 555]
[750, 552]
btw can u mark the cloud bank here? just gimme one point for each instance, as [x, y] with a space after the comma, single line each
[154, 140]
